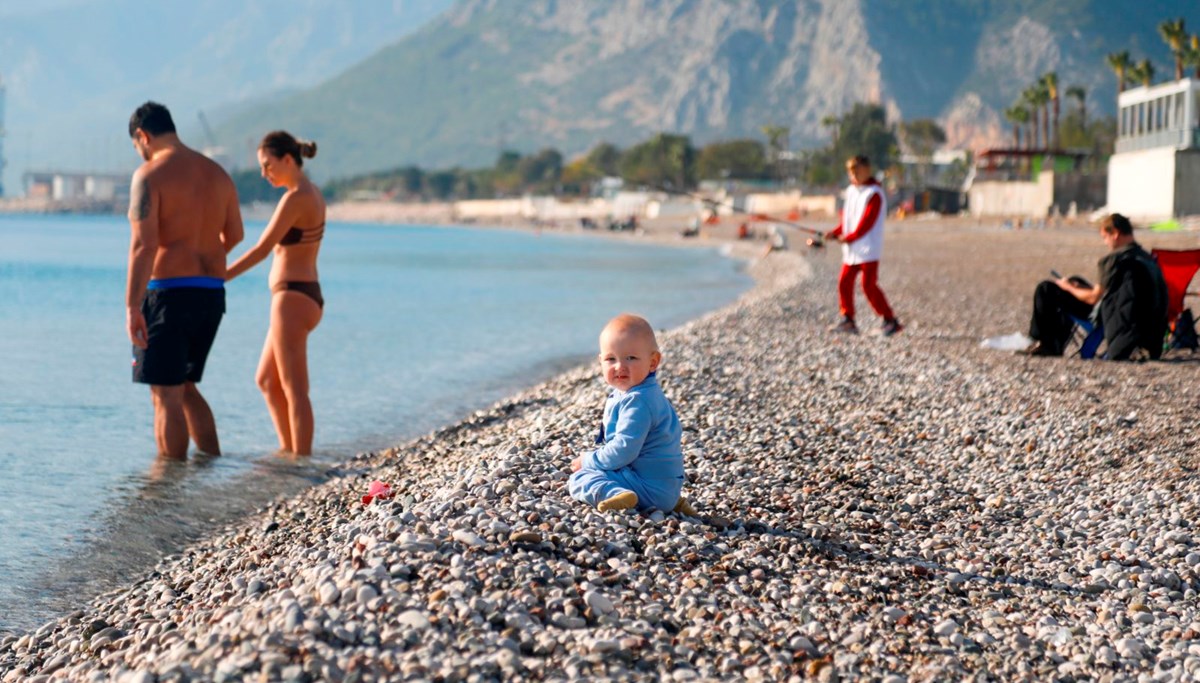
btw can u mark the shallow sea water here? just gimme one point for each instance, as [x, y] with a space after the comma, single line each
[422, 325]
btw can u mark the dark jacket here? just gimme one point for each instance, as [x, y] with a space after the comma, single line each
[1133, 309]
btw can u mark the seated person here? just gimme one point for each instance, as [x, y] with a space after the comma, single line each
[1130, 301]
[640, 463]
[776, 240]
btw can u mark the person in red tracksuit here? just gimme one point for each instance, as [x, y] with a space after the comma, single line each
[861, 235]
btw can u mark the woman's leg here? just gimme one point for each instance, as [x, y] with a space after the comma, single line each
[293, 316]
[269, 382]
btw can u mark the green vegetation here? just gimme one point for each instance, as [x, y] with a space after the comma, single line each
[252, 188]
[1036, 121]
[737, 159]
[1175, 34]
[863, 130]
[662, 161]
[1120, 63]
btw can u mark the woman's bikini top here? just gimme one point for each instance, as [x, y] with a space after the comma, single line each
[303, 235]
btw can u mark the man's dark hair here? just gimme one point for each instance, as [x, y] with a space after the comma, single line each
[1115, 222]
[153, 118]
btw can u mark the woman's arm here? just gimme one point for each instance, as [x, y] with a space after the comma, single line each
[286, 212]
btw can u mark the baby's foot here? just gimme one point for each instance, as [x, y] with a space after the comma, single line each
[621, 501]
[685, 508]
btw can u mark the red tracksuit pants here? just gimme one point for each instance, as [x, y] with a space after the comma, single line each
[870, 285]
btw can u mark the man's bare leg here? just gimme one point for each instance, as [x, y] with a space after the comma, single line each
[170, 423]
[200, 422]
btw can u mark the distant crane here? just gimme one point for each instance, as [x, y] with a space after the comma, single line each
[208, 132]
[213, 151]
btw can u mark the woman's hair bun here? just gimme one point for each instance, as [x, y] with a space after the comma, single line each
[308, 148]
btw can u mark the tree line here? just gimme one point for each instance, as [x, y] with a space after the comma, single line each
[1035, 117]
[664, 161]
[1185, 49]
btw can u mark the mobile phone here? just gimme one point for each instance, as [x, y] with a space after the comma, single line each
[1055, 274]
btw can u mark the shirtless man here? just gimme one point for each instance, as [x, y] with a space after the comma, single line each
[184, 218]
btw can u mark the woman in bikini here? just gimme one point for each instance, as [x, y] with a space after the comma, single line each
[294, 234]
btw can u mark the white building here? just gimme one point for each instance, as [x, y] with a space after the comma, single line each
[68, 185]
[1155, 172]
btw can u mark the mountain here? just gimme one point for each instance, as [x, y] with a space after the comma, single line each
[75, 69]
[493, 74]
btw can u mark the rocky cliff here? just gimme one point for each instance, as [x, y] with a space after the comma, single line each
[493, 74]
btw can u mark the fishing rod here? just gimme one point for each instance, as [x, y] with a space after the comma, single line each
[819, 234]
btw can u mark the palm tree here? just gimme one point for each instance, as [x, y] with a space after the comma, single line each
[1143, 71]
[1049, 83]
[1018, 116]
[777, 138]
[1193, 55]
[1079, 93]
[1038, 98]
[832, 122]
[1120, 63]
[1175, 35]
[1029, 99]
[777, 143]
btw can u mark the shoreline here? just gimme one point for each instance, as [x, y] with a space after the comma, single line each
[36, 596]
[912, 506]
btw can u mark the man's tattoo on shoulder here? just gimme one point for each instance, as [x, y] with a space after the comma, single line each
[139, 199]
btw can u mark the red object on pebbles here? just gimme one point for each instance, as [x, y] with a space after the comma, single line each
[377, 491]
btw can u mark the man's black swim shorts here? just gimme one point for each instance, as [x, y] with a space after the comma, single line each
[181, 326]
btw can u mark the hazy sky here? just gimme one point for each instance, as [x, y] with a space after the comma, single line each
[74, 69]
[18, 7]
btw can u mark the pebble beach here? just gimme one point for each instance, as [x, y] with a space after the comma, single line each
[911, 508]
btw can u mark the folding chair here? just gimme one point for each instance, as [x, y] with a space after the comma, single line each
[1088, 335]
[1178, 268]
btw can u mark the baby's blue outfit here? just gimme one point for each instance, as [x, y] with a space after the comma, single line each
[641, 451]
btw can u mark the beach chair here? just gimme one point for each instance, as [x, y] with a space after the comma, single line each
[1085, 339]
[1086, 336]
[1178, 268]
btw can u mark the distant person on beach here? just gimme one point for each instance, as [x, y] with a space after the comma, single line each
[640, 459]
[184, 219]
[1130, 301]
[861, 235]
[294, 234]
[776, 239]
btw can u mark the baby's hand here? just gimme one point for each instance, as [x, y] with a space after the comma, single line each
[576, 464]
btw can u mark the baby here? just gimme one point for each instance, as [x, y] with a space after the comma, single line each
[640, 463]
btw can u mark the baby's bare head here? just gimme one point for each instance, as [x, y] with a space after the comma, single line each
[628, 351]
[630, 327]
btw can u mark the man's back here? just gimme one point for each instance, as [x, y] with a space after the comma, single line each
[195, 199]
[1134, 306]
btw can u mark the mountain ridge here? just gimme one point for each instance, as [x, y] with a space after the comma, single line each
[75, 69]
[489, 74]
